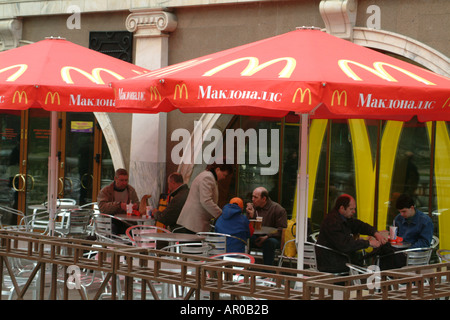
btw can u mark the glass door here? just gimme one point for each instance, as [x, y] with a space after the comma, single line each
[80, 157]
[10, 134]
[34, 162]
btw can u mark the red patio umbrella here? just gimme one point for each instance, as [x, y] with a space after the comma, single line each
[57, 75]
[306, 71]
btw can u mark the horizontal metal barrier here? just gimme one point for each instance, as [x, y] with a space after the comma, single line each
[35, 266]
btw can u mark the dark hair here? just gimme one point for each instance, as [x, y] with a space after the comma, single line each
[343, 200]
[222, 166]
[404, 201]
[121, 172]
[176, 177]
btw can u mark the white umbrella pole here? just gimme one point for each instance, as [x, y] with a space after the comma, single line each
[53, 171]
[302, 191]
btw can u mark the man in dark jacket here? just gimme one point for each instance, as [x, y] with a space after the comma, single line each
[337, 232]
[178, 192]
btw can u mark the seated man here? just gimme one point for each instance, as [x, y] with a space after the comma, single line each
[234, 223]
[178, 192]
[413, 225]
[274, 215]
[336, 232]
[113, 199]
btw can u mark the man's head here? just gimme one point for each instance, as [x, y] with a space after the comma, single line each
[222, 171]
[260, 197]
[121, 179]
[345, 205]
[174, 181]
[405, 205]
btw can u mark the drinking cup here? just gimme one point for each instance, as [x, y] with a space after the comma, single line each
[392, 233]
[258, 223]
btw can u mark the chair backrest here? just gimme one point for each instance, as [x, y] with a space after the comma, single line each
[434, 242]
[309, 256]
[418, 257]
[219, 241]
[443, 255]
[79, 220]
[236, 257]
[194, 248]
[103, 224]
[314, 236]
[137, 235]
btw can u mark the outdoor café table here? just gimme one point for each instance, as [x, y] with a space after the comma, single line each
[173, 237]
[134, 218]
[265, 230]
[401, 245]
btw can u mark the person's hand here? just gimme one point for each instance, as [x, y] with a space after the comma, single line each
[250, 210]
[374, 243]
[135, 206]
[123, 206]
[259, 241]
[382, 239]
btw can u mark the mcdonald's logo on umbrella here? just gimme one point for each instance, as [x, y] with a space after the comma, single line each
[20, 95]
[52, 97]
[154, 93]
[179, 89]
[302, 95]
[339, 95]
[253, 66]
[94, 76]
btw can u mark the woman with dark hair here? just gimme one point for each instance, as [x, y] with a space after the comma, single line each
[201, 204]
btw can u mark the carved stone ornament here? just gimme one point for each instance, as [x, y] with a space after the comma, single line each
[151, 23]
[339, 17]
[10, 33]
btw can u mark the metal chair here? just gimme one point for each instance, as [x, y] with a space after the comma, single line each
[330, 250]
[137, 235]
[77, 224]
[414, 256]
[434, 242]
[219, 241]
[103, 230]
[309, 255]
[194, 248]
[443, 255]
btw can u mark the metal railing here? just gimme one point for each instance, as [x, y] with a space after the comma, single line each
[125, 272]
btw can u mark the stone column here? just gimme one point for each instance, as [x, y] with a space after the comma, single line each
[147, 172]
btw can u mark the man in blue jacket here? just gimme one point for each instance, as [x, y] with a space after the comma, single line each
[234, 223]
[413, 225]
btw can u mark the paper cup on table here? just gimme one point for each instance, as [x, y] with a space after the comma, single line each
[258, 223]
[392, 233]
[148, 210]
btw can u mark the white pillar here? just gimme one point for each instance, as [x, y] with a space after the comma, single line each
[148, 137]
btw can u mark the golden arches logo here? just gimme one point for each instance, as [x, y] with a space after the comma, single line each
[94, 76]
[253, 66]
[154, 93]
[378, 70]
[180, 89]
[339, 96]
[20, 95]
[17, 74]
[447, 102]
[302, 95]
[52, 97]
